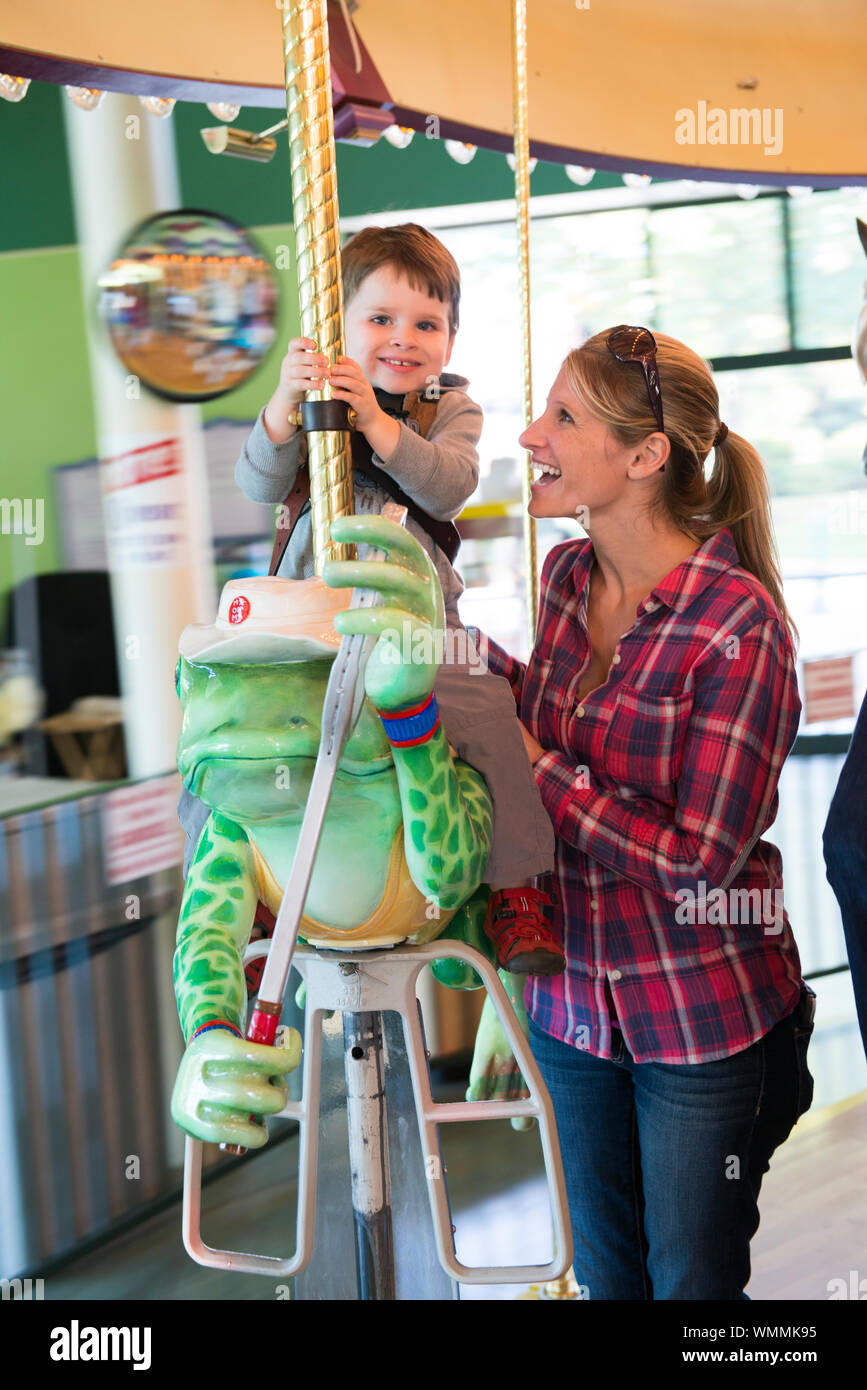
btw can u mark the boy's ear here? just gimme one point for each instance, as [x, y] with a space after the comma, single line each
[449, 350]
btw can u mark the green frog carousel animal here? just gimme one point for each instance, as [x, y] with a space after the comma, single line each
[405, 838]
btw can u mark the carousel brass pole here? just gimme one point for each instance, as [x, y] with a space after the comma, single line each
[317, 246]
[522, 195]
[566, 1286]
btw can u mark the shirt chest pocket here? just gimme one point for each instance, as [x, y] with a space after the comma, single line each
[644, 742]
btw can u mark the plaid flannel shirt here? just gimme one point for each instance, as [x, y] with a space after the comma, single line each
[659, 785]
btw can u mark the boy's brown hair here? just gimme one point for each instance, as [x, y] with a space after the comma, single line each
[410, 250]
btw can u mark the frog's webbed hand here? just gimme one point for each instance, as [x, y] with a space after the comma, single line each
[224, 1081]
[403, 665]
[446, 805]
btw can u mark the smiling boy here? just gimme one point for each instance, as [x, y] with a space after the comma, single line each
[401, 291]
[415, 441]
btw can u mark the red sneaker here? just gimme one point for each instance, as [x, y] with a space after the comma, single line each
[525, 945]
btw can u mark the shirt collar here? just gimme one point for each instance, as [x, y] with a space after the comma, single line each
[697, 572]
[681, 585]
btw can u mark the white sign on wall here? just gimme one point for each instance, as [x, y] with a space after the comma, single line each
[140, 829]
[81, 504]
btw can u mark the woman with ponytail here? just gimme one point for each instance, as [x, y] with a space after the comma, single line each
[659, 705]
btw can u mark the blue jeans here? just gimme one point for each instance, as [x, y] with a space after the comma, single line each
[664, 1162]
[845, 845]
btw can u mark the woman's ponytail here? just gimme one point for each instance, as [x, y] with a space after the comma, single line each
[738, 498]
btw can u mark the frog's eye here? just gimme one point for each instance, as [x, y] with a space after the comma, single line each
[178, 679]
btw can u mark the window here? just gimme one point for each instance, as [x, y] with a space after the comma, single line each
[718, 273]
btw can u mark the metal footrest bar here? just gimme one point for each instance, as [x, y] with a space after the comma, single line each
[306, 1112]
[379, 981]
[431, 1114]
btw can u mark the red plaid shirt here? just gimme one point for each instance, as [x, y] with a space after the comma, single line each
[659, 785]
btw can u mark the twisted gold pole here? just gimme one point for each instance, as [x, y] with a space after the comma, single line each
[317, 247]
[564, 1287]
[522, 195]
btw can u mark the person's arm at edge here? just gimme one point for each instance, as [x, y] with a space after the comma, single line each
[442, 471]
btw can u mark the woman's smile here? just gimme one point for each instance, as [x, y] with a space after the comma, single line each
[549, 474]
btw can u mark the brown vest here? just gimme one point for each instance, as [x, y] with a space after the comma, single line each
[444, 533]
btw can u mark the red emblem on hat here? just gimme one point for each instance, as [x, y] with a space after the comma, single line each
[239, 609]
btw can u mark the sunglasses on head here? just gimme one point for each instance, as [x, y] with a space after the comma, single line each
[630, 344]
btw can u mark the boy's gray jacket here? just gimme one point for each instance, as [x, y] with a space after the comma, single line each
[439, 473]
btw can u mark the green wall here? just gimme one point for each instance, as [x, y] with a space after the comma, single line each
[45, 393]
[45, 397]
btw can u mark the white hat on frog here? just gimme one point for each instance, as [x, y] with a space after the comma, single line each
[268, 619]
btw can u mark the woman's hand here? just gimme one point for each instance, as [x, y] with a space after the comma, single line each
[532, 745]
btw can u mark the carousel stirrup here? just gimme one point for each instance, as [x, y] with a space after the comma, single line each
[366, 985]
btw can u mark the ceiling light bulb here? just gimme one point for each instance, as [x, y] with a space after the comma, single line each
[158, 106]
[86, 98]
[224, 110]
[531, 163]
[748, 190]
[636, 180]
[578, 174]
[399, 135]
[798, 190]
[460, 152]
[13, 88]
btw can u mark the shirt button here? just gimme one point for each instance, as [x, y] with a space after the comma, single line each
[580, 711]
[593, 905]
[615, 659]
[649, 607]
[615, 975]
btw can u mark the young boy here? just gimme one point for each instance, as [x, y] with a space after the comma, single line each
[401, 300]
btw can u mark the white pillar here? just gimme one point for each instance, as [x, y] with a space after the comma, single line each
[152, 460]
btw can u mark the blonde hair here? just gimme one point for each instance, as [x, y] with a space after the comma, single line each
[735, 495]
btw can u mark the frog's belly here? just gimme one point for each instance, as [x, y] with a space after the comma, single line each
[400, 915]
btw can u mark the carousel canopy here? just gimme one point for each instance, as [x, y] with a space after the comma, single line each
[773, 91]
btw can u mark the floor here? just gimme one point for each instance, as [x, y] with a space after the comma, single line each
[814, 1205]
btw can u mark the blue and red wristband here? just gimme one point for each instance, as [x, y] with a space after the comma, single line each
[405, 728]
[216, 1023]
